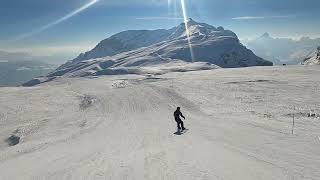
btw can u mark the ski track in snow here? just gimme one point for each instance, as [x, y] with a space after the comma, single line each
[239, 120]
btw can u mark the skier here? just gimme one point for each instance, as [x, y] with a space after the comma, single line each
[177, 115]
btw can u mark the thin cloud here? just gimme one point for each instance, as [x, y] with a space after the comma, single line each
[159, 18]
[261, 17]
[135, 2]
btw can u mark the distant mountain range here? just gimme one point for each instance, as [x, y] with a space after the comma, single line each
[283, 50]
[159, 51]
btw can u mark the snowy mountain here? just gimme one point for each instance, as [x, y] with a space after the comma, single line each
[134, 39]
[140, 52]
[313, 59]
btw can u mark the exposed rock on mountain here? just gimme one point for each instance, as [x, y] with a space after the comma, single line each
[313, 59]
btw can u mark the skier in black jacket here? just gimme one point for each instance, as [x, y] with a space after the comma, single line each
[177, 115]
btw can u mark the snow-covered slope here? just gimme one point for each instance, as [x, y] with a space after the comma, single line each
[314, 58]
[125, 41]
[121, 127]
[211, 46]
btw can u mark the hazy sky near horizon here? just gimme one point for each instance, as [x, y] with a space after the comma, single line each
[73, 26]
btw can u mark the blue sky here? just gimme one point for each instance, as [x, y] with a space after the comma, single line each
[56, 27]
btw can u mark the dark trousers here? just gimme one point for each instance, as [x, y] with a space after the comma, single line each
[180, 122]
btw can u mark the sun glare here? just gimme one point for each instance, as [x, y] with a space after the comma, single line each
[185, 18]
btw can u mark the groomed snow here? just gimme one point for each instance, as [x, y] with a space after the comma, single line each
[121, 127]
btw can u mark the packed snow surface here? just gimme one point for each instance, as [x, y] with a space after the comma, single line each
[121, 127]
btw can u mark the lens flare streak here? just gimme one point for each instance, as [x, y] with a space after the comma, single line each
[185, 17]
[66, 17]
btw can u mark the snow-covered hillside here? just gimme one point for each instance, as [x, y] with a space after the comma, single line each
[121, 127]
[130, 51]
[125, 41]
[314, 58]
